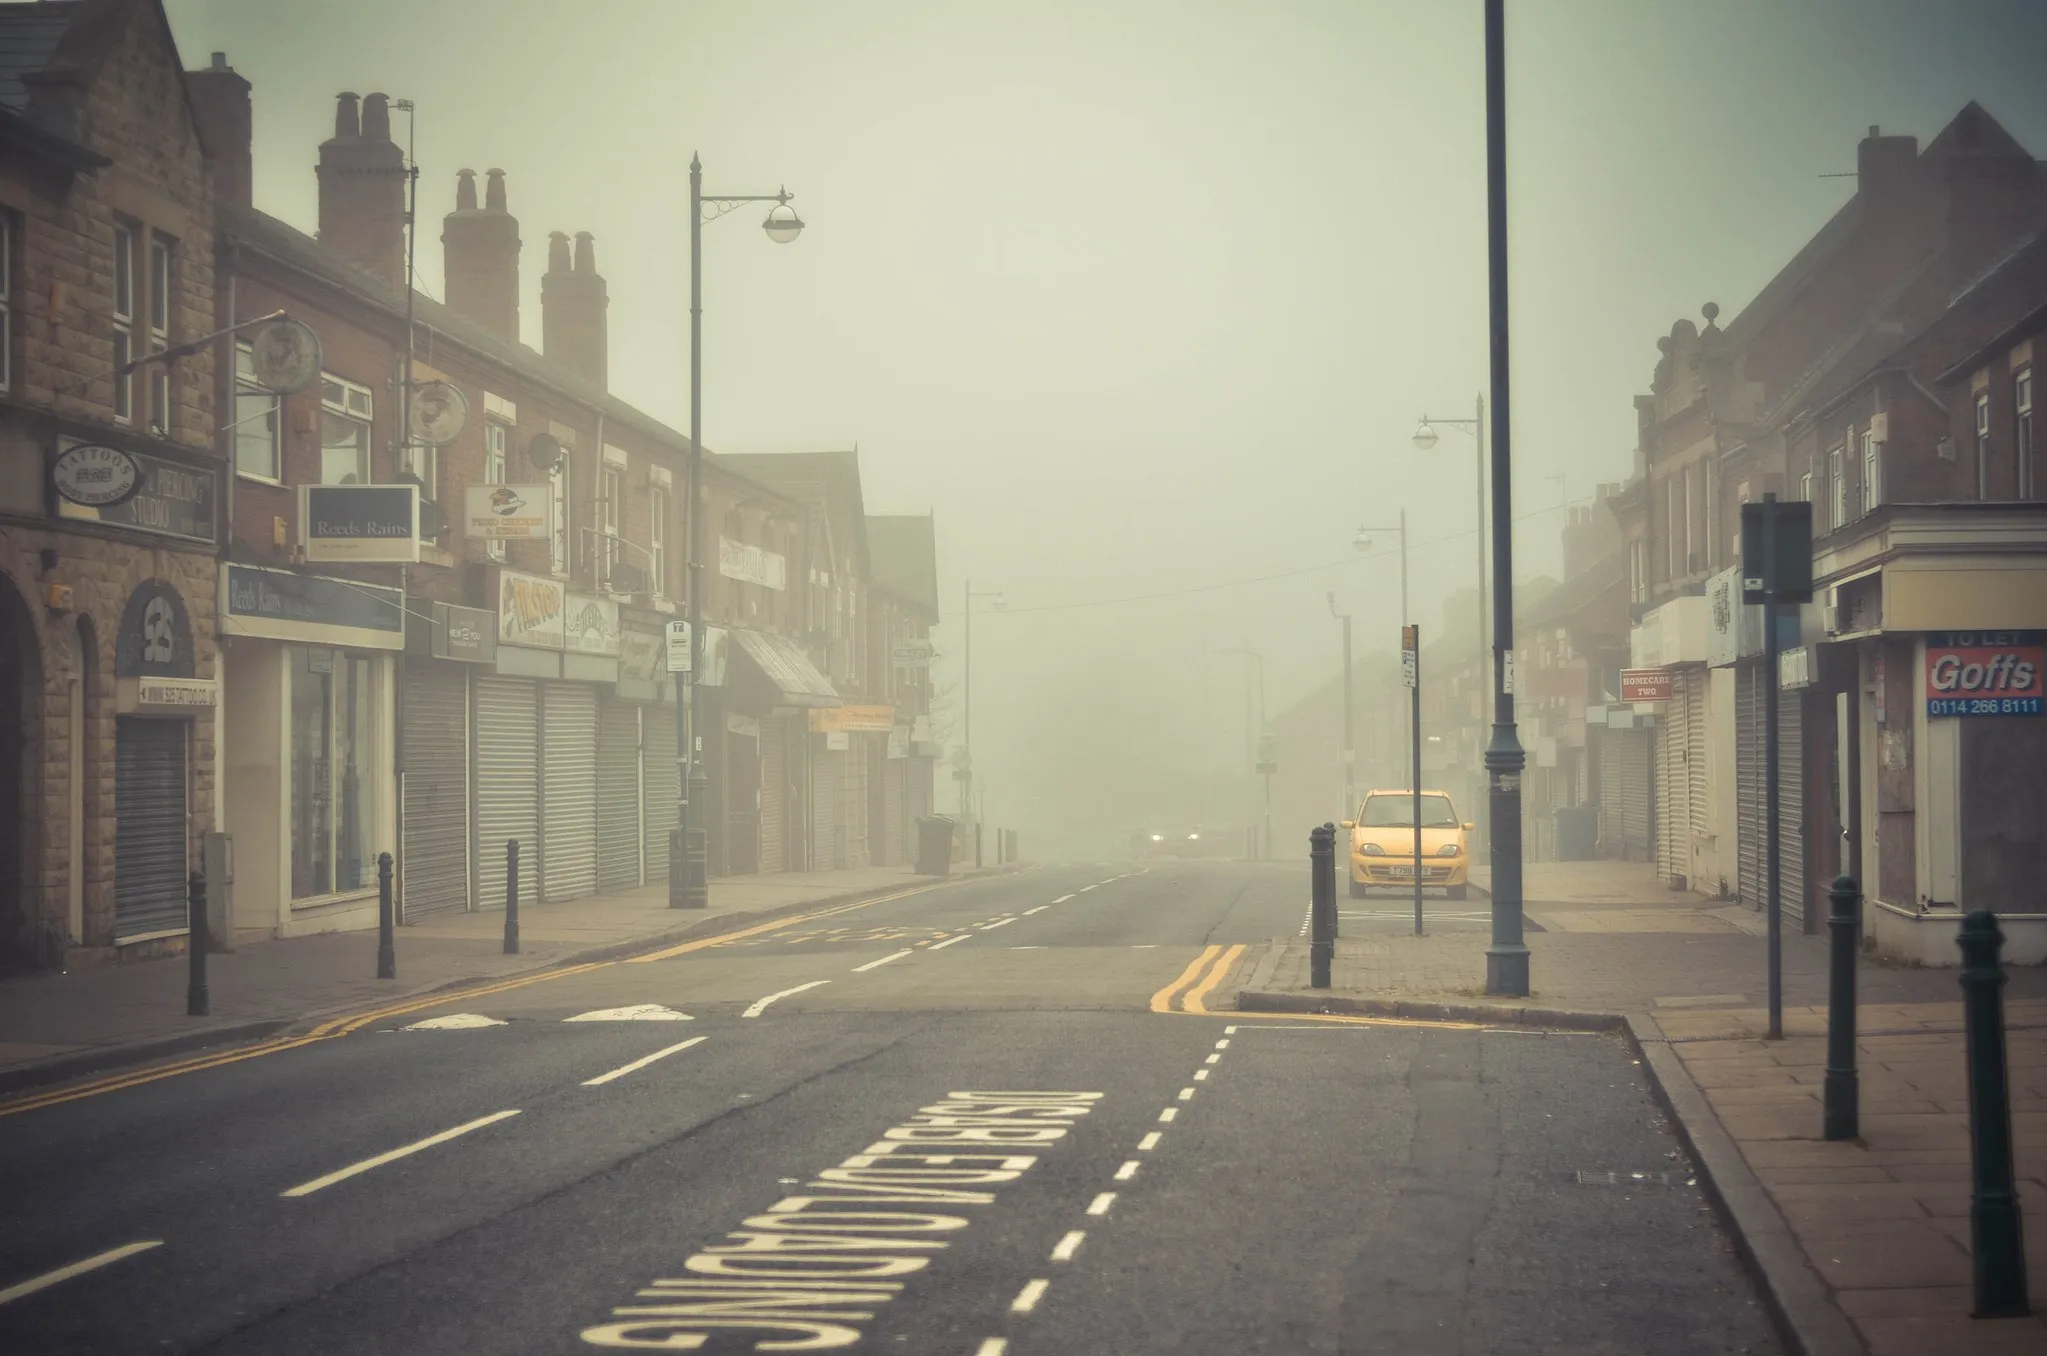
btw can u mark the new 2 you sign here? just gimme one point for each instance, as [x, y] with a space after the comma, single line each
[376, 524]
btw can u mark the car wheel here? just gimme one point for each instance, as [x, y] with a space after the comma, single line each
[1358, 891]
[1455, 892]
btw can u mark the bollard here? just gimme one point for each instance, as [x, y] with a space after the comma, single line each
[511, 896]
[197, 1001]
[1840, 1118]
[387, 951]
[1322, 903]
[1999, 1242]
[977, 844]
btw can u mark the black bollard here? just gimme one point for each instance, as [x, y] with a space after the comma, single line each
[1841, 1116]
[1999, 1241]
[511, 896]
[387, 949]
[197, 1002]
[1322, 903]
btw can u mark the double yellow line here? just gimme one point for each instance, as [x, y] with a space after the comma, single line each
[1202, 974]
[349, 1023]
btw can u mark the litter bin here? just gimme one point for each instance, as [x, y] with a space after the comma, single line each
[1577, 833]
[934, 846]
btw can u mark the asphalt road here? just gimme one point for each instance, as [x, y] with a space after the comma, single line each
[987, 1119]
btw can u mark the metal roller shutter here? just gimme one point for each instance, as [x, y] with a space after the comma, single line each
[1748, 785]
[618, 796]
[436, 816]
[658, 788]
[1626, 783]
[1791, 805]
[506, 781]
[826, 836]
[1699, 809]
[150, 863]
[774, 795]
[568, 790]
[1673, 787]
[853, 803]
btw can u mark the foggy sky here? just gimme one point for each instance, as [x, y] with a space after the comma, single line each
[1139, 296]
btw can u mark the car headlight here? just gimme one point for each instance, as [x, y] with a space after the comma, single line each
[1372, 850]
[1192, 836]
[1158, 838]
[1448, 850]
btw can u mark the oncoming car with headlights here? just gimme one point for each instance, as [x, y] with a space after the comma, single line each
[1382, 844]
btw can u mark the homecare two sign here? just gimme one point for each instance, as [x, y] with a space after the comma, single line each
[1986, 673]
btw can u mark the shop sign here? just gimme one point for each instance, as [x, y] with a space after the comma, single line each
[639, 655]
[530, 610]
[169, 500]
[678, 647]
[1645, 685]
[360, 523]
[507, 512]
[463, 633]
[166, 696]
[911, 654]
[155, 638]
[1986, 673]
[838, 741]
[899, 741]
[590, 625]
[853, 719]
[737, 560]
[746, 727]
[920, 730]
[1724, 618]
[93, 476]
[1794, 668]
[285, 605]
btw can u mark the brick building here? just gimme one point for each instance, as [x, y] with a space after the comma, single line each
[108, 662]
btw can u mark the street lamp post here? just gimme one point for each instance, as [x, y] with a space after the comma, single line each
[967, 703]
[1262, 761]
[1363, 542]
[1350, 746]
[782, 226]
[1425, 438]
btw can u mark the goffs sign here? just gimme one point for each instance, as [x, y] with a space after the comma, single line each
[1986, 673]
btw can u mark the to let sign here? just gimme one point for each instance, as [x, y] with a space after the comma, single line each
[1645, 685]
[1986, 673]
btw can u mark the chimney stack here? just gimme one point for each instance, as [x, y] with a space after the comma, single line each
[220, 99]
[573, 301]
[481, 250]
[362, 189]
[1884, 167]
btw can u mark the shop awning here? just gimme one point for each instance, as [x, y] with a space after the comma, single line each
[780, 664]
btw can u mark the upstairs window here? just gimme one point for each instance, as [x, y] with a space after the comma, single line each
[345, 411]
[2022, 442]
[558, 492]
[124, 322]
[1983, 444]
[257, 425]
[160, 247]
[1837, 487]
[657, 539]
[1872, 471]
[495, 436]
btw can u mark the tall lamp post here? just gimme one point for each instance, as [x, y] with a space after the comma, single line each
[1507, 956]
[1350, 744]
[1425, 437]
[966, 770]
[782, 226]
[1261, 756]
[1363, 542]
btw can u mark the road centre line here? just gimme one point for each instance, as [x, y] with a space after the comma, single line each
[994, 1346]
[772, 925]
[1167, 1116]
[1062, 899]
[1162, 1001]
[1001, 923]
[622, 1070]
[875, 964]
[1127, 1171]
[1201, 1075]
[1040, 909]
[392, 1155]
[1068, 1246]
[1228, 1031]
[1186, 1094]
[1192, 1002]
[762, 1006]
[1224, 1043]
[1149, 1142]
[952, 941]
[65, 1273]
[1100, 1204]
[1028, 1297]
[1214, 1059]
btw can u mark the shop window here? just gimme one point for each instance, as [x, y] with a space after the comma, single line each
[345, 410]
[333, 771]
[495, 436]
[257, 422]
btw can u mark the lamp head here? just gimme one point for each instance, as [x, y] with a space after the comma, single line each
[1362, 541]
[783, 225]
[1424, 436]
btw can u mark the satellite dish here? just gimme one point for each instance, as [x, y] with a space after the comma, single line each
[545, 451]
[284, 355]
[439, 412]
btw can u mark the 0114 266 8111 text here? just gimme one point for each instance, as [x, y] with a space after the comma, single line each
[807, 1273]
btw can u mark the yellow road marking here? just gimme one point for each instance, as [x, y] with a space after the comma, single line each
[1192, 1003]
[1162, 1001]
[1341, 1019]
[118, 1082]
[774, 925]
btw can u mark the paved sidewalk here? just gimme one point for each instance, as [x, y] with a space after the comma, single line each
[1864, 1245]
[53, 1025]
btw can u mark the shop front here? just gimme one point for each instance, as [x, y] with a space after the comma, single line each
[445, 645]
[1672, 641]
[637, 783]
[308, 744]
[773, 685]
[854, 747]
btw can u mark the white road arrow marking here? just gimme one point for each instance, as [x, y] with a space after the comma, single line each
[455, 1021]
[638, 1012]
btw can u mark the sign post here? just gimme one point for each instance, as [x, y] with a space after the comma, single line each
[1411, 677]
[680, 663]
[1776, 567]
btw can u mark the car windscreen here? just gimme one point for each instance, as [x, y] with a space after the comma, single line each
[1387, 812]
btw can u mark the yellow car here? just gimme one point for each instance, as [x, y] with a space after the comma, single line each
[1382, 844]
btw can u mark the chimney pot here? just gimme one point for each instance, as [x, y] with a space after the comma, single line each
[557, 252]
[376, 118]
[220, 61]
[347, 120]
[465, 190]
[586, 253]
[494, 191]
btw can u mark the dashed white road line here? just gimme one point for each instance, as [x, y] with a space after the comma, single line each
[1062, 899]
[994, 1346]
[1214, 1059]
[1201, 1075]
[1040, 909]
[1100, 1204]
[1186, 1094]
[896, 955]
[1148, 1143]
[392, 1155]
[1028, 1297]
[94, 1263]
[952, 941]
[1068, 1246]
[1224, 1043]
[990, 927]
[1228, 1031]
[762, 1006]
[622, 1070]
[1127, 1171]
[1166, 1116]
